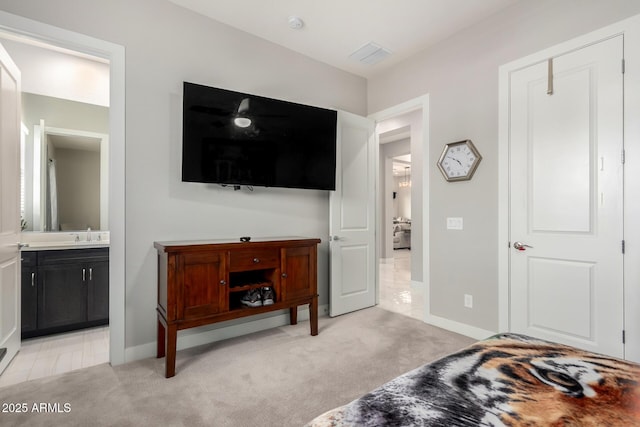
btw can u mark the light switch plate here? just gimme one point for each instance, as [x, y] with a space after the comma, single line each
[454, 223]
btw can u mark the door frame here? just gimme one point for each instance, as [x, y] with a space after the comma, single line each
[27, 28]
[422, 158]
[630, 28]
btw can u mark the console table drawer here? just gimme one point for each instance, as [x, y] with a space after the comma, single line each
[254, 259]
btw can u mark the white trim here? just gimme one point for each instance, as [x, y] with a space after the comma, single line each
[115, 54]
[421, 102]
[223, 331]
[460, 328]
[416, 284]
[630, 28]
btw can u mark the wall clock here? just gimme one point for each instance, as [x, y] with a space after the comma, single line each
[459, 160]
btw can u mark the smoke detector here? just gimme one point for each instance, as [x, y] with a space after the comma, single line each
[295, 23]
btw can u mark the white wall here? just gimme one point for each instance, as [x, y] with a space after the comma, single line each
[166, 45]
[64, 76]
[78, 182]
[461, 77]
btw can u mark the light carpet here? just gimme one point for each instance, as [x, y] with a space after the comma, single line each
[280, 377]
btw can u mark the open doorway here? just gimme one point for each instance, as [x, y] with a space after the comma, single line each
[401, 239]
[53, 205]
[12, 32]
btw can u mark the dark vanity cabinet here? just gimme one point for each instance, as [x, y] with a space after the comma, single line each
[71, 290]
[29, 283]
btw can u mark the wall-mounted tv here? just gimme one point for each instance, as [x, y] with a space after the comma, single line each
[237, 139]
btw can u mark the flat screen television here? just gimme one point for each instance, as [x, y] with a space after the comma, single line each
[233, 138]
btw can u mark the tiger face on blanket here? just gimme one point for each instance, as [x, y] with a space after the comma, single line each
[508, 380]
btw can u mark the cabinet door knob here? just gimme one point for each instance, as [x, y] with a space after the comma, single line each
[284, 275]
[33, 279]
[84, 274]
[223, 282]
[256, 260]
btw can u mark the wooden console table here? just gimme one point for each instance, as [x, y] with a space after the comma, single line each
[202, 282]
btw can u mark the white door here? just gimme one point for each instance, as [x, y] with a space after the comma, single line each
[566, 210]
[9, 209]
[352, 217]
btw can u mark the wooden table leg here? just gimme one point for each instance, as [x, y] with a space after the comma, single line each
[161, 340]
[313, 315]
[293, 315]
[170, 362]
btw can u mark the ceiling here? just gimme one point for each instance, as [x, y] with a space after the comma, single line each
[333, 29]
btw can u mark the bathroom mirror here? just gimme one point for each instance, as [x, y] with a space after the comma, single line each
[64, 170]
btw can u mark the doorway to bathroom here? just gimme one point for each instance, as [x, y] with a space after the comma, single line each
[69, 90]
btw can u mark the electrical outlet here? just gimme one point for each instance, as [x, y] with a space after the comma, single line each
[454, 224]
[468, 301]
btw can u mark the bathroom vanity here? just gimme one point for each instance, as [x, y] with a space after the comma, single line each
[64, 288]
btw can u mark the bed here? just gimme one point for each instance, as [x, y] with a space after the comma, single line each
[505, 380]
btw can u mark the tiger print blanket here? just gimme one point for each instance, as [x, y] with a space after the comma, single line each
[506, 380]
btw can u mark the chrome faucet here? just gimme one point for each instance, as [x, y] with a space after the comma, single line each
[88, 234]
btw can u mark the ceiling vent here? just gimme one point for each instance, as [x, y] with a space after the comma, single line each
[370, 54]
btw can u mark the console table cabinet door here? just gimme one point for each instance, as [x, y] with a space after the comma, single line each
[299, 272]
[201, 284]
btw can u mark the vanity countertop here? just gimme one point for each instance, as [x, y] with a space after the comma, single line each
[48, 246]
[64, 240]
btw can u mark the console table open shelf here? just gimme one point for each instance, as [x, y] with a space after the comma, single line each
[202, 282]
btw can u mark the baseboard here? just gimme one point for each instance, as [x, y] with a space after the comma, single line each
[222, 331]
[459, 328]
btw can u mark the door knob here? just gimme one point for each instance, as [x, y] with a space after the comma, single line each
[521, 246]
[334, 238]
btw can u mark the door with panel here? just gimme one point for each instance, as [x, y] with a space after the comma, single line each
[566, 198]
[10, 270]
[352, 223]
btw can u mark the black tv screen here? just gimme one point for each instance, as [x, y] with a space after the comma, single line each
[234, 138]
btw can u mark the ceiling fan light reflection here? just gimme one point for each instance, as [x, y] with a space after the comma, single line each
[242, 122]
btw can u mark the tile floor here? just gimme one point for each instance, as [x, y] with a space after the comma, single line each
[56, 354]
[396, 292]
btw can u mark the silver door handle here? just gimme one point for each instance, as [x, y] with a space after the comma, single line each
[521, 246]
[334, 238]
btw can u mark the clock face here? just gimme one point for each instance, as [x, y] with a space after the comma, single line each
[459, 160]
